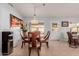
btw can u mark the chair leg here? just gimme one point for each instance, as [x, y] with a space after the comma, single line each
[29, 51]
[38, 51]
[22, 45]
[47, 44]
[40, 46]
[75, 43]
[69, 45]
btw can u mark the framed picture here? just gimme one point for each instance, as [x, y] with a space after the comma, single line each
[15, 21]
[65, 24]
[54, 25]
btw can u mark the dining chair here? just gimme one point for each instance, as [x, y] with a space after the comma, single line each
[69, 38]
[72, 40]
[24, 39]
[34, 43]
[46, 39]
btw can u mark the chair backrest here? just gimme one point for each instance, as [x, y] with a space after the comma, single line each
[47, 36]
[30, 35]
[38, 35]
[33, 38]
[22, 36]
[69, 35]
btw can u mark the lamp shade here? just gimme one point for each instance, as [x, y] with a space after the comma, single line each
[77, 24]
[34, 22]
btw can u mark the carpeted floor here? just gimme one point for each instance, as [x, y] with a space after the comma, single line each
[56, 48]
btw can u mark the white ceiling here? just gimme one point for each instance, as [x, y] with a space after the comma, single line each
[49, 10]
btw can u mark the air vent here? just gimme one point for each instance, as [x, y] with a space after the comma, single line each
[10, 4]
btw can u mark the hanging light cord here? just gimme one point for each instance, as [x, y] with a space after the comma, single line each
[34, 12]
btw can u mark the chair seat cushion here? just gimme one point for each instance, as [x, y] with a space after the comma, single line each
[43, 40]
[75, 37]
[26, 39]
[38, 45]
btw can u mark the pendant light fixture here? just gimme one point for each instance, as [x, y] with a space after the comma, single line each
[34, 21]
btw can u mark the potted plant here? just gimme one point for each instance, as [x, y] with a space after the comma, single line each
[24, 30]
